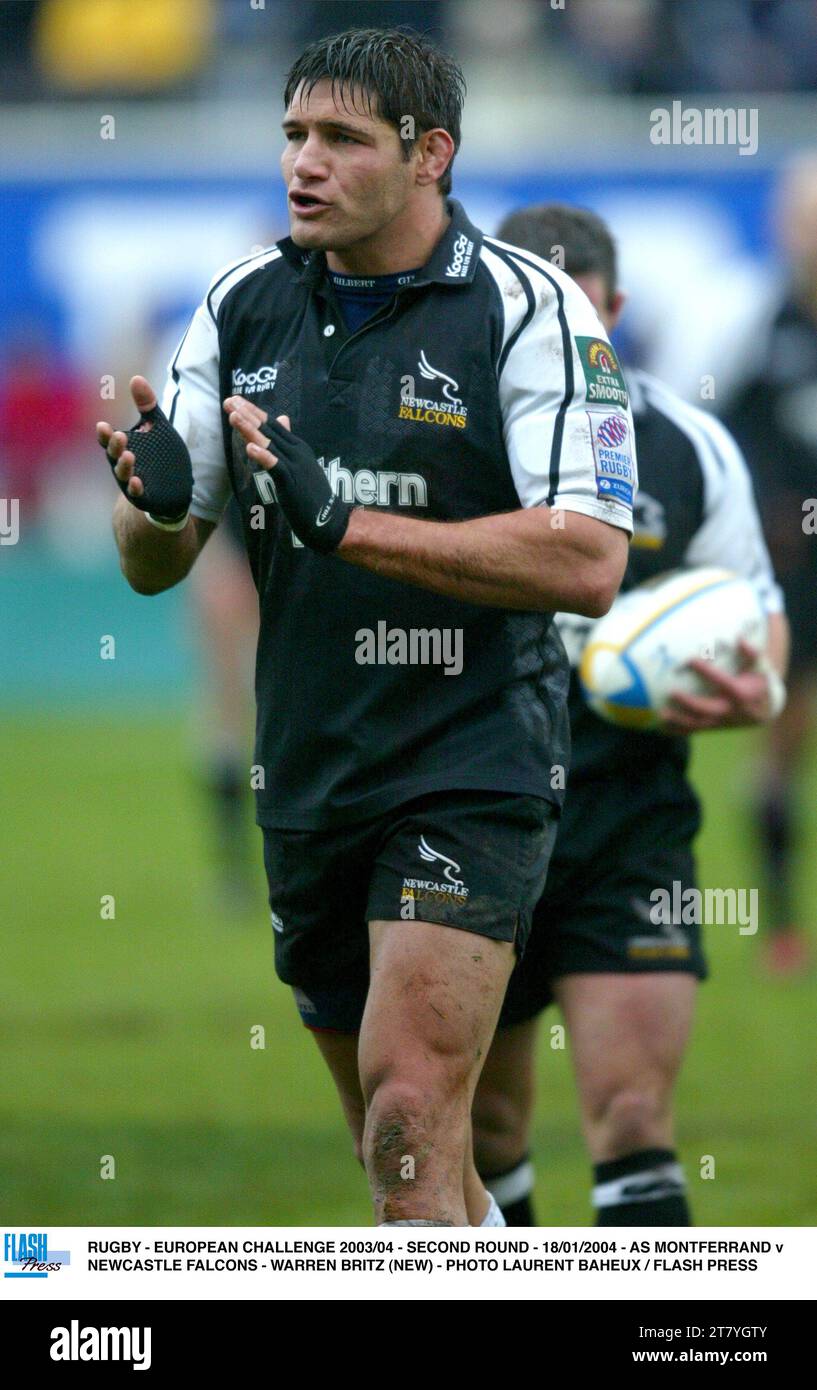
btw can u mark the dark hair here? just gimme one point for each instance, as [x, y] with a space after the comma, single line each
[584, 238]
[397, 69]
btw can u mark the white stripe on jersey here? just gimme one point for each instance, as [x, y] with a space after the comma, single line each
[545, 418]
[515, 306]
[731, 535]
[191, 397]
[230, 275]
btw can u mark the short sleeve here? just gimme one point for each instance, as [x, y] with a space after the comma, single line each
[566, 415]
[192, 405]
[731, 534]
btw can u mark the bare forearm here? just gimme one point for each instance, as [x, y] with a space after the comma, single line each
[533, 559]
[153, 560]
[778, 642]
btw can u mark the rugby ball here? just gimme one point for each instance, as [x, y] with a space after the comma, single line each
[637, 654]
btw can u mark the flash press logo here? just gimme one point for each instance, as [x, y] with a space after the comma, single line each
[28, 1255]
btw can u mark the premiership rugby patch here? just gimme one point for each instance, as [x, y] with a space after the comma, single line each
[613, 455]
[605, 383]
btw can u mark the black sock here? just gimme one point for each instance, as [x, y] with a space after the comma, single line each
[512, 1191]
[646, 1188]
[227, 786]
[776, 817]
[227, 783]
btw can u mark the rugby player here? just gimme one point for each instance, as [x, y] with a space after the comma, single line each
[401, 410]
[774, 419]
[626, 987]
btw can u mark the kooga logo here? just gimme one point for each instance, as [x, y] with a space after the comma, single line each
[75, 1343]
[461, 259]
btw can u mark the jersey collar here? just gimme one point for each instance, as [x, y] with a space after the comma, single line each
[452, 262]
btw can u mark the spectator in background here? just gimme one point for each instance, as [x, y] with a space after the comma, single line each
[774, 418]
[87, 46]
[317, 18]
[18, 79]
[620, 45]
[744, 45]
[36, 385]
[673, 46]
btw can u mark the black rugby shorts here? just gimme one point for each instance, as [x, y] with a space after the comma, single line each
[473, 860]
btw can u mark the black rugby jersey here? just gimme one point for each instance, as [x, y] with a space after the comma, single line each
[695, 506]
[774, 417]
[485, 384]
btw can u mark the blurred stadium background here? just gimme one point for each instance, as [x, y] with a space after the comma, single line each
[131, 1037]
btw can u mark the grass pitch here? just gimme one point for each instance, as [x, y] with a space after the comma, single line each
[130, 1037]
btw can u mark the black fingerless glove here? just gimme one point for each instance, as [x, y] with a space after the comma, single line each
[316, 514]
[163, 465]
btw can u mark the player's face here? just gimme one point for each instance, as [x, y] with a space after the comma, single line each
[344, 170]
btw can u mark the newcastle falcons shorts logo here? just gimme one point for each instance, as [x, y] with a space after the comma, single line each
[449, 888]
[429, 854]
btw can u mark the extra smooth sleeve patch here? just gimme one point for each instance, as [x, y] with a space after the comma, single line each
[604, 382]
